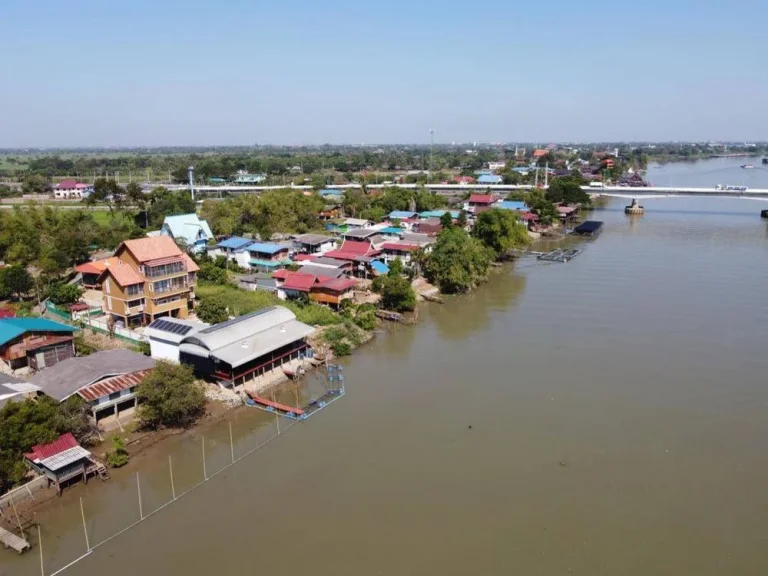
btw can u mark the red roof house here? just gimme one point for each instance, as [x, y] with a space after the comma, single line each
[61, 460]
[481, 200]
[352, 250]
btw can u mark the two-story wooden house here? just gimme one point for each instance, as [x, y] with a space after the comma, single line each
[150, 278]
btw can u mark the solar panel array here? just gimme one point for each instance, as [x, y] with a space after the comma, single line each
[171, 327]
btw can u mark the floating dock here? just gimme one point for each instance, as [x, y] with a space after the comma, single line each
[10, 540]
[559, 255]
[589, 228]
[272, 406]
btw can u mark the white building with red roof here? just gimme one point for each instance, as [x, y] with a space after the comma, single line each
[71, 189]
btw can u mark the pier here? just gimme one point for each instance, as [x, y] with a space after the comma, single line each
[10, 540]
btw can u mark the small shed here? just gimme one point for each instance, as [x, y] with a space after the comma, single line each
[62, 460]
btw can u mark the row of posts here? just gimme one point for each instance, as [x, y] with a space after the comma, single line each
[88, 547]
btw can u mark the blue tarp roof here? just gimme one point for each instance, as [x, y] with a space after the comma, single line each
[512, 205]
[391, 230]
[379, 267]
[234, 243]
[490, 179]
[330, 192]
[266, 248]
[401, 214]
[10, 328]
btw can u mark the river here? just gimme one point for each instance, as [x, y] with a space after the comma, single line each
[605, 416]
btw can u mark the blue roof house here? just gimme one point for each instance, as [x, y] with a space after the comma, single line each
[402, 215]
[267, 256]
[490, 179]
[35, 342]
[439, 213]
[188, 228]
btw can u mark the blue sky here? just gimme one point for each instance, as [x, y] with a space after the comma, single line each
[96, 73]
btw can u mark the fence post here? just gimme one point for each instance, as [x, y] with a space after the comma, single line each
[231, 443]
[40, 545]
[85, 529]
[138, 486]
[205, 472]
[173, 487]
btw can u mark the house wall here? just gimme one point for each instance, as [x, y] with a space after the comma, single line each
[164, 350]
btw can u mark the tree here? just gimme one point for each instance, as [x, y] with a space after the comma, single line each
[212, 311]
[209, 272]
[461, 221]
[457, 262]
[16, 280]
[119, 455]
[7, 191]
[500, 230]
[65, 294]
[107, 192]
[446, 220]
[35, 184]
[396, 291]
[170, 396]
[568, 190]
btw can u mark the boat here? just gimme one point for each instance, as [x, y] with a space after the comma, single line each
[765, 160]
[589, 228]
[748, 166]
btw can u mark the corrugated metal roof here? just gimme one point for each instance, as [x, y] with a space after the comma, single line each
[187, 227]
[266, 248]
[402, 214]
[11, 328]
[512, 205]
[64, 459]
[299, 281]
[321, 271]
[313, 239]
[401, 247]
[42, 451]
[490, 179]
[261, 343]
[338, 284]
[234, 243]
[111, 385]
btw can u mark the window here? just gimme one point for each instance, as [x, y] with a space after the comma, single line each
[135, 303]
[134, 290]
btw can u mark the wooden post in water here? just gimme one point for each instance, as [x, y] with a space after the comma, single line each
[277, 416]
[18, 520]
[138, 486]
[231, 443]
[205, 472]
[40, 546]
[85, 529]
[170, 467]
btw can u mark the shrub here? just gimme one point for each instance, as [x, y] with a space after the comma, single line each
[119, 455]
[170, 397]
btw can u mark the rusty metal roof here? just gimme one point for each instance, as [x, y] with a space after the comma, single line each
[111, 385]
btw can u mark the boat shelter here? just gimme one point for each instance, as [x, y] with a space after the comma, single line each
[246, 347]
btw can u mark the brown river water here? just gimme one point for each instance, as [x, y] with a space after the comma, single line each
[617, 406]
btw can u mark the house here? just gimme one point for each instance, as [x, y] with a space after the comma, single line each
[511, 205]
[540, 153]
[258, 281]
[322, 271]
[230, 247]
[15, 390]
[529, 219]
[189, 229]
[35, 342]
[439, 213]
[106, 381]
[246, 347]
[152, 278]
[165, 335]
[353, 223]
[333, 291]
[401, 250]
[332, 263]
[71, 189]
[313, 244]
[490, 179]
[479, 200]
[243, 178]
[296, 285]
[429, 226]
[464, 180]
[353, 251]
[493, 166]
[361, 234]
[62, 460]
[90, 271]
[391, 231]
[402, 215]
[267, 256]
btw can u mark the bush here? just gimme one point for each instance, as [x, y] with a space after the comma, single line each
[212, 273]
[212, 310]
[170, 397]
[119, 455]
[82, 348]
[65, 294]
[143, 348]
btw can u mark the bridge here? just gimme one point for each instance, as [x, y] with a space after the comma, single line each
[448, 189]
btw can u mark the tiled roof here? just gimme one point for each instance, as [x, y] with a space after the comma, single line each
[112, 385]
[67, 185]
[145, 249]
[96, 266]
[401, 247]
[191, 265]
[124, 275]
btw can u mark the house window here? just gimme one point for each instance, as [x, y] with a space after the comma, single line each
[134, 290]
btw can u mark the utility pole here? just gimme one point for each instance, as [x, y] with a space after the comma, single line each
[431, 152]
[546, 174]
[192, 182]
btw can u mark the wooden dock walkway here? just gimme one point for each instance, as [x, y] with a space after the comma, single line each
[12, 541]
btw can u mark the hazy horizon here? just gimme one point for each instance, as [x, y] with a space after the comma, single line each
[93, 74]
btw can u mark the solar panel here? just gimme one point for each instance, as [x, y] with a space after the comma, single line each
[172, 327]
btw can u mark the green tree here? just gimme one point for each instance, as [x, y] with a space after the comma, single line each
[209, 272]
[119, 455]
[16, 280]
[212, 310]
[170, 396]
[457, 262]
[106, 191]
[446, 220]
[568, 190]
[35, 184]
[500, 230]
[396, 291]
[63, 294]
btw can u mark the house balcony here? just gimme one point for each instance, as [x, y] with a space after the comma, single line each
[167, 307]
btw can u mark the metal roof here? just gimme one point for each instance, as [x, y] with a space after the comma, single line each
[247, 337]
[325, 261]
[326, 271]
[187, 227]
[11, 328]
[63, 459]
[65, 378]
[111, 385]
[402, 214]
[356, 222]
[360, 233]
[512, 205]
[234, 243]
[41, 452]
[266, 248]
[379, 267]
[313, 239]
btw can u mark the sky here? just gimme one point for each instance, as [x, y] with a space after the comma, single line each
[241, 72]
